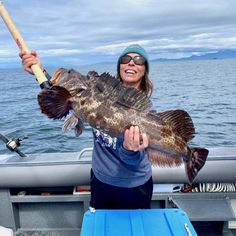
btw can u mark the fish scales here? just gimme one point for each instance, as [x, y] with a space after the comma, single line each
[103, 102]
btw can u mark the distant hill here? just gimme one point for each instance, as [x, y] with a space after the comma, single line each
[223, 54]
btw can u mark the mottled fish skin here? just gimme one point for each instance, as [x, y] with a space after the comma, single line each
[103, 102]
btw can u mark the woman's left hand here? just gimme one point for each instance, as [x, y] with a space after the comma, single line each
[133, 140]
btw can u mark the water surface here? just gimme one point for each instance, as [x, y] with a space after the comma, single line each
[205, 89]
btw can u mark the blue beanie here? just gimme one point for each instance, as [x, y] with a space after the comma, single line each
[135, 48]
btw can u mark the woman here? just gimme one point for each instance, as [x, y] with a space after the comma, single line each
[121, 176]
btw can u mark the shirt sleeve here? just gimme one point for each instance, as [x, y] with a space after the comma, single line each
[131, 157]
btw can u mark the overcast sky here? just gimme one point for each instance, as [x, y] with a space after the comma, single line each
[76, 32]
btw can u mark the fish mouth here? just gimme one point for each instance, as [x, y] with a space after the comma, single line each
[58, 74]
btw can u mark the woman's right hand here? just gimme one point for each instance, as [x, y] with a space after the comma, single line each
[29, 59]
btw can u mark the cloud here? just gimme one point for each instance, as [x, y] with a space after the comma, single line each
[88, 31]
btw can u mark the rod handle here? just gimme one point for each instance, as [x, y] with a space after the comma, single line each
[41, 78]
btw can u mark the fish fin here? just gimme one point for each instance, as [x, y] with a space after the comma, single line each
[55, 102]
[91, 74]
[79, 128]
[160, 158]
[107, 86]
[197, 160]
[103, 84]
[132, 98]
[73, 122]
[181, 123]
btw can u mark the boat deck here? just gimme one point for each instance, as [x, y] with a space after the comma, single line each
[38, 198]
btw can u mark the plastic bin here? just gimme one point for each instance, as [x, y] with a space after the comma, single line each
[162, 222]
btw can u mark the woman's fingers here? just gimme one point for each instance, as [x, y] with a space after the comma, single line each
[29, 59]
[133, 140]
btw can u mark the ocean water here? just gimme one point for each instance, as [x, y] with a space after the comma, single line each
[206, 89]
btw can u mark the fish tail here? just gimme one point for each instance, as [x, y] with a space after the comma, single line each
[197, 160]
[55, 102]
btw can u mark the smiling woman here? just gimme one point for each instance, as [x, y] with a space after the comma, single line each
[121, 174]
[131, 72]
[133, 68]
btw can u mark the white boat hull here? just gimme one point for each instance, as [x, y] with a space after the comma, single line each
[71, 169]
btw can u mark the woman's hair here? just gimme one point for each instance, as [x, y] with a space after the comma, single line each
[146, 85]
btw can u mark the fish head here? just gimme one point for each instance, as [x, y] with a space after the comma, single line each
[70, 79]
[58, 76]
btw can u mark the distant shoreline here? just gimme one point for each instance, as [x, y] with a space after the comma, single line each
[221, 55]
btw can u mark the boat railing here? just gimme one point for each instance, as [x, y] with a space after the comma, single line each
[85, 154]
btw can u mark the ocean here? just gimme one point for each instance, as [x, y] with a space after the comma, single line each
[205, 89]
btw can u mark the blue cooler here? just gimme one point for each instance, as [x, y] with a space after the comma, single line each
[159, 222]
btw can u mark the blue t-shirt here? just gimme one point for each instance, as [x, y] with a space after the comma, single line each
[112, 164]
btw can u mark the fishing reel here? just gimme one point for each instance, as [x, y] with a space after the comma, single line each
[13, 144]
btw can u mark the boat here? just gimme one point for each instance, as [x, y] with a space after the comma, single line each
[73, 168]
[49, 192]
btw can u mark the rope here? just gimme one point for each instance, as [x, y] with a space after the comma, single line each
[210, 187]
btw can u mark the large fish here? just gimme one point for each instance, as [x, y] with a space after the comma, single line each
[104, 103]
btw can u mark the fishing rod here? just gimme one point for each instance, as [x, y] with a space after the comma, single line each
[40, 77]
[13, 144]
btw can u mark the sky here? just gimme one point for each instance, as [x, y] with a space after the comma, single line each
[83, 32]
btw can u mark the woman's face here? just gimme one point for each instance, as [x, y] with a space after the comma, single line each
[132, 74]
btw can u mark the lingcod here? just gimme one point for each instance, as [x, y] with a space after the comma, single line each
[105, 103]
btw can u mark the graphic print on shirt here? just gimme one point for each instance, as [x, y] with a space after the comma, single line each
[105, 139]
